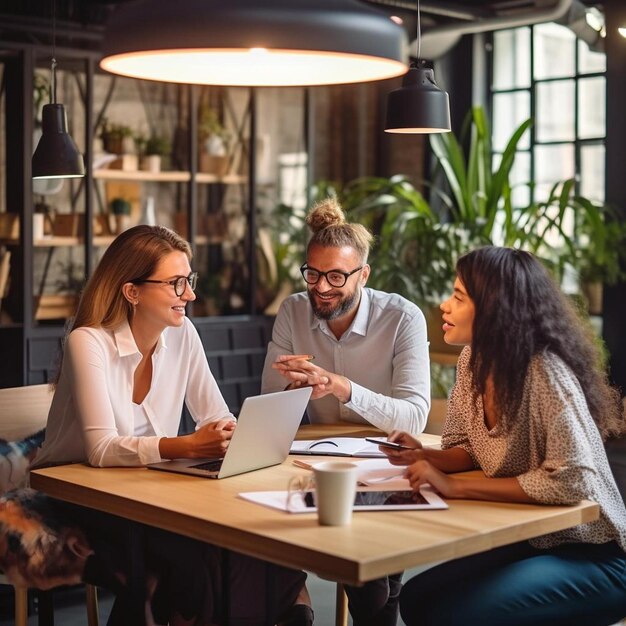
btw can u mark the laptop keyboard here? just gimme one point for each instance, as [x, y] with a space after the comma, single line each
[211, 466]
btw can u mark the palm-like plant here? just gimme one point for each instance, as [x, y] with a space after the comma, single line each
[417, 247]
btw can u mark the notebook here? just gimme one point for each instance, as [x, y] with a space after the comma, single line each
[266, 428]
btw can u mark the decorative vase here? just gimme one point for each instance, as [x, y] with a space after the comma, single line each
[151, 163]
[148, 214]
[122, 223]
[212, 164]
[593, 292]
[113, 144]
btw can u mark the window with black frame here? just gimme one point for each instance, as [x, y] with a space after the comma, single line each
[546, 73]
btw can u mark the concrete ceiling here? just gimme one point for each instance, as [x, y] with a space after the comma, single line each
[442, 22]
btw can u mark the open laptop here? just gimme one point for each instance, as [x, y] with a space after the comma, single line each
[266, 428]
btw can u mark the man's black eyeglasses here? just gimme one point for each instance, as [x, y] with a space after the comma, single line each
[335, 278]
[179, 284]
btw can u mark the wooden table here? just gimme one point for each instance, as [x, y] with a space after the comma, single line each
[374, 545]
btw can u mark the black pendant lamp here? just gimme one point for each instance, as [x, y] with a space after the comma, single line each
[56, 155]
[254, 42]
[419, 106]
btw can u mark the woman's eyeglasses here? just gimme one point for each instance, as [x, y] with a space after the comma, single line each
[180, 283]
[335, 278]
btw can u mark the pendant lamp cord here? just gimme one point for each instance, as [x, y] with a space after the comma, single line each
[419, 33]
[53, 86]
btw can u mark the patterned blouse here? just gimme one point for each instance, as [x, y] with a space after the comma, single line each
[553, 448]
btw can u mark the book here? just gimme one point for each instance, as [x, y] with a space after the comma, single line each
[337, 446]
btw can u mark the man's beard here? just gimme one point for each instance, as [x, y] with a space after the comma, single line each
[333, 311]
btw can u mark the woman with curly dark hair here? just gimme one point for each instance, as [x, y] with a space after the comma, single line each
[531, 407]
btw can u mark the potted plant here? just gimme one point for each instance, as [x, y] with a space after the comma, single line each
[151, 150]
[121, 211]
[113, 136]
[481, 201]
[418, 246]
[213, 142]
[601, 251]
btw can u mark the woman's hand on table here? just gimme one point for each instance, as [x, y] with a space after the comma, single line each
[422, 472]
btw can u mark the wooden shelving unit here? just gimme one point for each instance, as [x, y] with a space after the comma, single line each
[34, 304]
[178, 176]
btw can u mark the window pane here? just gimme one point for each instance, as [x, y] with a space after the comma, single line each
[555, 111]
[554, 51]
[590, 61]
[592, 172]
[509, 111]
[591, 107]
[552, 164]
[511, 58]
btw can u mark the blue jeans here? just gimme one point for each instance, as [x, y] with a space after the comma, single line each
[518, 585]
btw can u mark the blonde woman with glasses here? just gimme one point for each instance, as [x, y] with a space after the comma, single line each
[131, 360]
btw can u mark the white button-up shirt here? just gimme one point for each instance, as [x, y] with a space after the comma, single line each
[92, 417]
[384, 354]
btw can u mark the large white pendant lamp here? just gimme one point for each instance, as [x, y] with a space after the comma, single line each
[56, 155]
[254, 42]
[419, 106]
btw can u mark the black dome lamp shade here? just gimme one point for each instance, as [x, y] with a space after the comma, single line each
[254, 42]
[419, 106]
[56, 155]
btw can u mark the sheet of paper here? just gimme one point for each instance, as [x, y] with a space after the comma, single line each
[381, 472]
[371, 472]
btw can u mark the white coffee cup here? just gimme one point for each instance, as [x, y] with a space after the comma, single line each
[335, 488]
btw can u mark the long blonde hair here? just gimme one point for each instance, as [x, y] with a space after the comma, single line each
[327, 222]
[133, 255]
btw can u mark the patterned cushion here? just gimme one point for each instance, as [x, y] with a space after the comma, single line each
[38, 546]
[15, 457]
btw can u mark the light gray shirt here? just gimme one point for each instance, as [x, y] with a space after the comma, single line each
[384, 354]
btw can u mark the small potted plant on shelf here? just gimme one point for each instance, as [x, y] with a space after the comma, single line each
[151, 151]
[121, 211]
[213, 142]
[113, 138]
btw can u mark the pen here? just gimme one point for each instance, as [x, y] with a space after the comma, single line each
[302, 464]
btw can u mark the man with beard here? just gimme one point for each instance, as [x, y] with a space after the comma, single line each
[364, 352]
[370, 351]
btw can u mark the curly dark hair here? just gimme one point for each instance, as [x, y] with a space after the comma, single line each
[520, 312]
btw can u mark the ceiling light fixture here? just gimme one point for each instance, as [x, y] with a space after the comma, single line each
[419, 106]
[254, 43]
[56, 155]
[622, 31]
